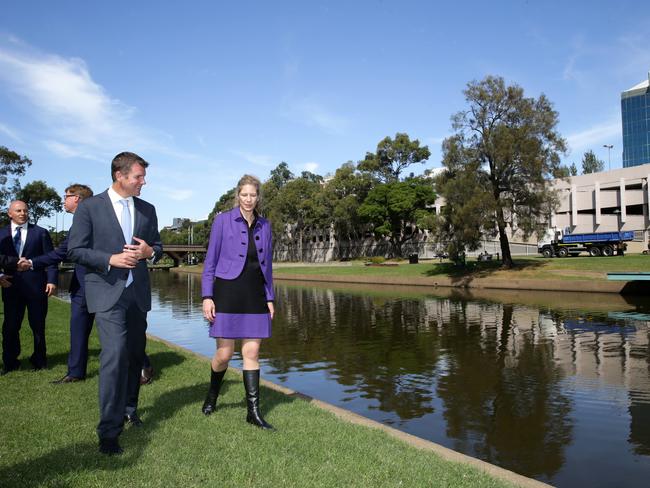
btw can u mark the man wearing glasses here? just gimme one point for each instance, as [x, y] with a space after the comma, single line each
[81, 321]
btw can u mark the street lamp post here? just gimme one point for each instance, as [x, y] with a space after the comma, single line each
[609, 155]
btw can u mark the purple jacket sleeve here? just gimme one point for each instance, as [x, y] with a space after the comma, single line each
[268, 275]
[212, 256]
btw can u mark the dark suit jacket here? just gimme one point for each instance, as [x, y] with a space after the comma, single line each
[38, 242]
[96, 235]
[8, 263]
[56, 256]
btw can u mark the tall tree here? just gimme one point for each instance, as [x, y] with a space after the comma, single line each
[343, 195]
[393, 156]
[516, 145]
[280, 175]
[394, 209]
[42, 200]
[11, 164]
[468, 215]
[591, 164]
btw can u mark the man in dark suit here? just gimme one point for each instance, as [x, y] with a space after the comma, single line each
[81, 321]
[113, 234]
[29, 290]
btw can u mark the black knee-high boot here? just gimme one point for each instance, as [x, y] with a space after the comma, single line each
[252, 387]
[210, 403]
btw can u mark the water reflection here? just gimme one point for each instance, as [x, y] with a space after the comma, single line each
[552, 386]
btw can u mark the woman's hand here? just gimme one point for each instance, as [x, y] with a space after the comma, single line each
[271, 309]
[208, 309]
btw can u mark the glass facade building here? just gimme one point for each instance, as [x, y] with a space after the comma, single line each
[635, 112]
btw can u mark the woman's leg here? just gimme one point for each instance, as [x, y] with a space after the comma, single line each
[223, 354]
[250, 352]
[218, 366]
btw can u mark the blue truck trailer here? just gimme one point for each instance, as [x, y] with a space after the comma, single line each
[563, 244]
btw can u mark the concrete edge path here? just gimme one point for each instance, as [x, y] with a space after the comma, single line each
[346, 415]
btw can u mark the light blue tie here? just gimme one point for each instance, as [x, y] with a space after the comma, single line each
[127, 230]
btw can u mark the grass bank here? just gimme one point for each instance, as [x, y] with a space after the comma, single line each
[575, 268]
[48, 433]
[541, 274]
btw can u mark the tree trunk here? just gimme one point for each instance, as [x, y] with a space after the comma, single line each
[503, 239]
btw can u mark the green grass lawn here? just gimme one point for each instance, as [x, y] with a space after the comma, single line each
[571, 268]
[48, 433]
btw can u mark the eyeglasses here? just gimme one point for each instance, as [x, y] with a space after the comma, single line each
[70, 195]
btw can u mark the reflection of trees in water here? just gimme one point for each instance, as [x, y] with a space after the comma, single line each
[503, 403]
[180, 292]
[375, 346]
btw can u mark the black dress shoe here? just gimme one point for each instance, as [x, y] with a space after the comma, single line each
[67, 379]
[133, 419]
[146, 376]
[110, 446]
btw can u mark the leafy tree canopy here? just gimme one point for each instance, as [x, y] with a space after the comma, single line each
[394, 208]
[591, 164]
[42, 200]
[393, 156]
[11, 164]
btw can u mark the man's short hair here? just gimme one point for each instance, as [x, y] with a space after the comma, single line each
[82, 191]
[123, 163]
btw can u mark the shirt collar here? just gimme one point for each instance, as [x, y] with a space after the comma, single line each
[15, 226]
[116, 197]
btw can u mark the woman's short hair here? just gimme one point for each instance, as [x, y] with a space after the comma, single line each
[249, 180]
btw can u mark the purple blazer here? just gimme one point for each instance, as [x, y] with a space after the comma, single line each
[227, 250]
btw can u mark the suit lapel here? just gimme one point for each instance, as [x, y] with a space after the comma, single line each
[30, 239]
[108, 205]
[139, 217]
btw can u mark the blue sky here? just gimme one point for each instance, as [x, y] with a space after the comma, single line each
[209, 90]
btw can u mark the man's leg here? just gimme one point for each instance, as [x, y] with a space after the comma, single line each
[113, 367]
[137, 340]
[14, 312]
[81, 324]
[36, 313]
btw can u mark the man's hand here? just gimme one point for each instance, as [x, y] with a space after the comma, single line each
[23, 264]
[5, 281]
[50, 289]
[142, 250]
[126, 259]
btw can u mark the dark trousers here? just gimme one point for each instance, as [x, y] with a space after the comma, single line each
[81, 324]
[15, 304]
[122, 336]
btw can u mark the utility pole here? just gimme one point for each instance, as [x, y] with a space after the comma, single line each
[609, 155]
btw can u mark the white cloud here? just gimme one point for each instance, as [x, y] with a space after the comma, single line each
[257, 159]
[311, 167]
[313, 114]
[176, 194]
[79, 117]
[6, 130]
[595, 136]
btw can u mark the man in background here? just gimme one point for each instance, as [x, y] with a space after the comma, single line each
[81, 321]
[28, 291]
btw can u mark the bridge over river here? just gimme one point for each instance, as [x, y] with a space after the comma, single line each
[179, 252]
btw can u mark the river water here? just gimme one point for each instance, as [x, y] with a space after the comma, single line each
[554, 386]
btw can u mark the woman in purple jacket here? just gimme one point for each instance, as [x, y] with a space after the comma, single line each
[237, 289]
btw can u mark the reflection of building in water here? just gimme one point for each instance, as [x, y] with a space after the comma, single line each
[599, 352]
